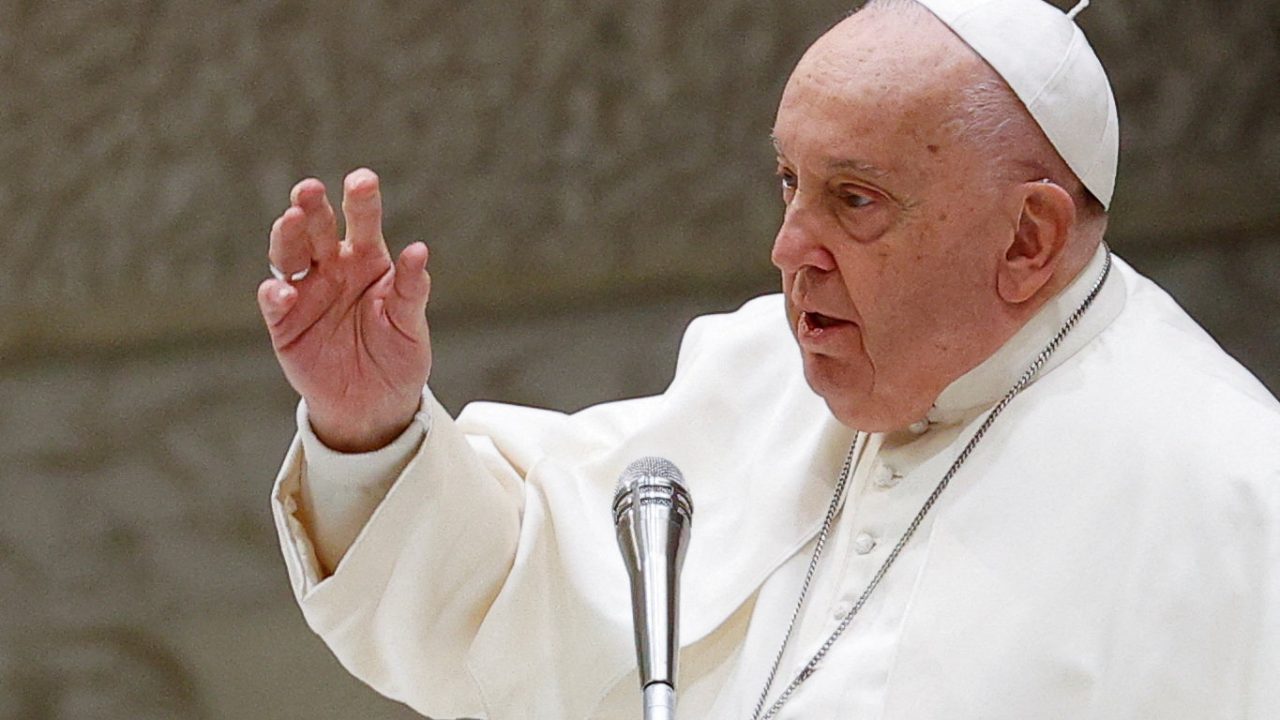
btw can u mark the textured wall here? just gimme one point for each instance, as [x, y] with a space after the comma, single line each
[589, 175]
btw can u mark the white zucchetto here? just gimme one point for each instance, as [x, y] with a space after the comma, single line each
[1043, 55]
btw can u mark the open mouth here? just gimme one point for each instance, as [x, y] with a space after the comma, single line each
[821, 322]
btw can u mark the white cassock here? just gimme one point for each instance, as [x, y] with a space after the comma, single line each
[1110, 550]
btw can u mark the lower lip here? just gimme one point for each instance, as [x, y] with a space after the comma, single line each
[815, 337]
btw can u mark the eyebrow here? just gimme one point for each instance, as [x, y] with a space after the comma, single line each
[856, 165]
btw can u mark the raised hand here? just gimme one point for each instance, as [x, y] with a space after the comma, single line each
[352, 334]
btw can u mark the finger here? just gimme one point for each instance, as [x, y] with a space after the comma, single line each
[275, 299]
[362, 207]
[407, 303]
[321, 224]
[290, 250]
[308, 185]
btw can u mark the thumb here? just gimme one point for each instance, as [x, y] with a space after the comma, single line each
[407, 303]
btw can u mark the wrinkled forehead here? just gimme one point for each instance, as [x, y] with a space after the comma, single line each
[880, 73]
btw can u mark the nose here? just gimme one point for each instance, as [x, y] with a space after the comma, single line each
[799, 242]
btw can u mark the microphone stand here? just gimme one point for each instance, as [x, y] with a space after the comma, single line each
[659, 701]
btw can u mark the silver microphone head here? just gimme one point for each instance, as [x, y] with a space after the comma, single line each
[652, 513]
[651, 480]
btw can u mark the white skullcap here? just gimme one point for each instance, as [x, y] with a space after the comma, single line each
[1043, 55]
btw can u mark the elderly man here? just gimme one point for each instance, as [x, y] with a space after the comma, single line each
[1004, 477]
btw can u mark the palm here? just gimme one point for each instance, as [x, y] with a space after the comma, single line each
[352, 336]
[343, 349]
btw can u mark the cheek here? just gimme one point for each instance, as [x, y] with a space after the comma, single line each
[893, 296]
[867, 273]
[930, 312]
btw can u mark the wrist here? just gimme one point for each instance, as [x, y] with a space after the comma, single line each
[344, 434]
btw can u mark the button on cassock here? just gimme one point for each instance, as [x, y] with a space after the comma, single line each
[864, 543]
[842, 609]
[885, 476]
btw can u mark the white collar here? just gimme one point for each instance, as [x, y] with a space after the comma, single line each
[986, 383]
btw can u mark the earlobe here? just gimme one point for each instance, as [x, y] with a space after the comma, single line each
[1044, 226]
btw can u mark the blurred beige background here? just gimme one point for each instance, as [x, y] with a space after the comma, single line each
[589, 175]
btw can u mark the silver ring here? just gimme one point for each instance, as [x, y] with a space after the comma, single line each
[279, 274]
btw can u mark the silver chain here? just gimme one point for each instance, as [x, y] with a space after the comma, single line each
[812, 665]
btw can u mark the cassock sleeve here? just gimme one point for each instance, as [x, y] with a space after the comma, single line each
[1264, 694]
[339, 491]
[401, 609]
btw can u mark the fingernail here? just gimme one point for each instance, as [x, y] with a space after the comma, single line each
[284, 293]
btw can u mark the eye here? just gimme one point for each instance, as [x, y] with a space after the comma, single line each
[787, 180]
[854, 199]
[864, 213]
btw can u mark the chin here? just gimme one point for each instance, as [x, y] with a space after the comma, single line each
[845, 390]
[850, 396]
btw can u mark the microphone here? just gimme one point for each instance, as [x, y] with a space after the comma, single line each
[652, 513]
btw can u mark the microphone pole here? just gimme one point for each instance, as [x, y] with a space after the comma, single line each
[652, 513]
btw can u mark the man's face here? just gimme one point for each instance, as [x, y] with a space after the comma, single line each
[891, 235]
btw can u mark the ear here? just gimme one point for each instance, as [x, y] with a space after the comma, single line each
[1044, 225]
